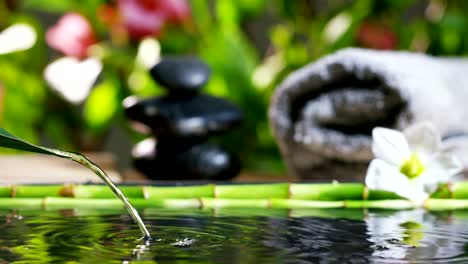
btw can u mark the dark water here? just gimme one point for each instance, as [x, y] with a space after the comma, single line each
[235, 236]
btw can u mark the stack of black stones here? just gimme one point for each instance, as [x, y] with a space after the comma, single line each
[181, 124]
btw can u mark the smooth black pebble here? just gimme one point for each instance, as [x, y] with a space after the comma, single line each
[199, 116]
[203, 161]
[181, 74]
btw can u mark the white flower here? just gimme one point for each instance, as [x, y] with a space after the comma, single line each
[73, 79]
[410, 164]
[17, 37]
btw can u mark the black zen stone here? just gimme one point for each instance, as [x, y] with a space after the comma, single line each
[193, 117]
[204, 161]
[181, 74]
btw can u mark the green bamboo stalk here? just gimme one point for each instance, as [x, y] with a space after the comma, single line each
[35, 191]
[179, 192]
[5, 191]
[459, 190]
[23, 203]
[381, 195]
[380, 204]
[319, 192]
[65, 203]
[252, 191]
[292, 203]
[331, 213]
[444, 191]
[55, 203]
[101, 191]
[282, 194]
[327, 191]
[446, 204]
[70, 203]
[234, 203]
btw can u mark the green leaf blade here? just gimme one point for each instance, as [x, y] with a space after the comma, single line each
[7, 140]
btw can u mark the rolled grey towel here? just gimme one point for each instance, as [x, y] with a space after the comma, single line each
[322, 115]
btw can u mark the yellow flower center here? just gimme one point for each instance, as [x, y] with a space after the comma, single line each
[412, 167]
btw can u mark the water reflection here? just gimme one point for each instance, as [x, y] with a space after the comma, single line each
[416, 236]
[235, 236]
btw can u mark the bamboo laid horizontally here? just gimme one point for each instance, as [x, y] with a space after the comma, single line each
[277, 195]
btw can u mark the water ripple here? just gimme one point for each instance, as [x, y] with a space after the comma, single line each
[396, 237]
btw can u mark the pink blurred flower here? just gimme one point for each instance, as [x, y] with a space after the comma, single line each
[72, 35]
[376, 35]
[141, 18]
[177, 11]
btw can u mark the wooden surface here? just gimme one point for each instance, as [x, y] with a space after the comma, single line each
[35, 168]
[133, 176]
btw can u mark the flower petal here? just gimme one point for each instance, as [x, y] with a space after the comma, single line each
[423, 138]
[383, 176]
[17, 37]
[440, 168]
[390, 145]
[73, 79]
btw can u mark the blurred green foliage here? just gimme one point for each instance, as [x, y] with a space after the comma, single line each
[251, 45]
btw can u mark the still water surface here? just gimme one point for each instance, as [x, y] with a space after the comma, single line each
[235, 236]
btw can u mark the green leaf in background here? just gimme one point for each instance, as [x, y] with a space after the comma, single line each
[452, 30]
[251, 7]
[24, 96]
[53, 6]
[141, 84]
[50, 5]
[227, 14]
[201, 15]
[102, 105]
